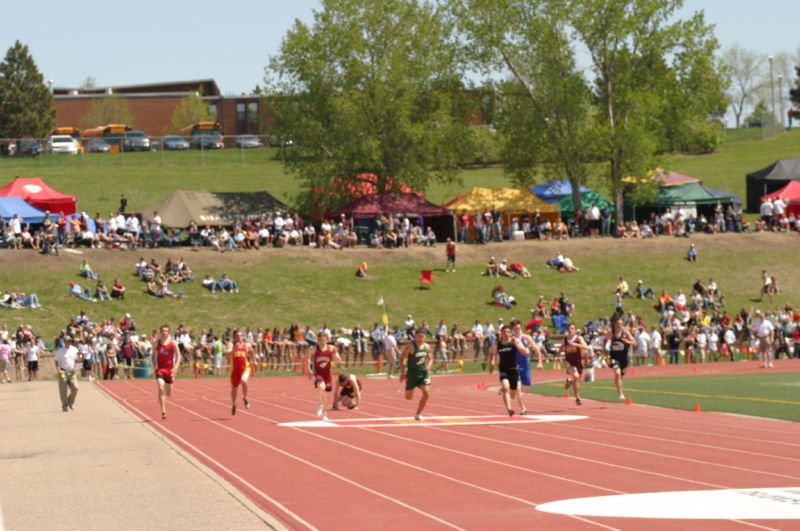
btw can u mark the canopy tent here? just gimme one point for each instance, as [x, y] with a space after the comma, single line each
[665, 178]
[362, 185]
[37, 193]
[369, 208]
[691, 198]
[553, 191]
[512, 202]
[725, 197]
[770, 179]
[15, 205]
[587, 198]
[790, 195]
[211, 208]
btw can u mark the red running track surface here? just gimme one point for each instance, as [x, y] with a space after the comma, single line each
[465, 476]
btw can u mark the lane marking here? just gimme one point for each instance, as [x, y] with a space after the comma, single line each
[393, 422]
[739, 504]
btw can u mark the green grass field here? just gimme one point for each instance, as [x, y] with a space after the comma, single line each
[775, 395]
[98, 179]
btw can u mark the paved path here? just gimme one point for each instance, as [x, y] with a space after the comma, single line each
[99, 468]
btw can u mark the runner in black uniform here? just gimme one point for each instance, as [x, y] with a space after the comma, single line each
[620, 342]
[506, 350]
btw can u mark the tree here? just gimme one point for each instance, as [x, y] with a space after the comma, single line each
[190, 110]
[26, 104]
[370, 87]
[544, 113]
[89, 83]
[761, 116]
[640, 54]
[746, 69]
[107, 110]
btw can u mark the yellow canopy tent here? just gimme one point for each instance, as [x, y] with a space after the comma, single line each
[511, 202]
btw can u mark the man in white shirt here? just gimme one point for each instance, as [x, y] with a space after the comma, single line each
[655, 345]
[642, 345]
[766, 340]
[390, 350]
[66, 358]
[766, 211]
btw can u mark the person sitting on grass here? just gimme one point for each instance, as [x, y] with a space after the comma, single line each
[492, 269]
[642, 292]
[501, 298]
[691, 254]
[504, 270]
[153, 288]
[166, 292]
[87, 272]
[83, 294]
[361, 270]
[227, 284]
[101, 291]
[210, 283]
[30, 300]
[519, 269]
[117, 290]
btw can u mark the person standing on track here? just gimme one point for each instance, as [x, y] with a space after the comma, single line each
[415, 366]
[574, 348]
[347, 391]
[324, 355]
[505, 354]
[621, 341]
[166, 360]
[240, 353]
[66, 358]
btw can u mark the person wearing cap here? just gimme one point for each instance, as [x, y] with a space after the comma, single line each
[504, 271]
[642, 291]
[691, 254]
[65, 358]
[491, 268]
[75, 290]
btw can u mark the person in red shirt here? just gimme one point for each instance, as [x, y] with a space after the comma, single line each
[241, 354]
[451, 255]
[324, 355]
[166, 360]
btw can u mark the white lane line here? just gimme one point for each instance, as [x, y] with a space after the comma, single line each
[160, 427]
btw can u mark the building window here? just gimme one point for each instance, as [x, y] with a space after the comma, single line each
[252, 118]
[212, 111]
[241, 118]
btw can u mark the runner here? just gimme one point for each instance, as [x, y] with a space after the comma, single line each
[241, 355]
[573, 348]
[347, 391]
[524, 362]
[507, 349]
[324, 355]
[416, 362]
[618, 352]
[166, 359]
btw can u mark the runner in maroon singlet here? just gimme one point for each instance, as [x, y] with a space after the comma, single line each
[166, 360]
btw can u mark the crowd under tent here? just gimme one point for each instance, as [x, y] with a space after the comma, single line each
[790, 195]
[9, 206]
[770, 179]
[183, 207]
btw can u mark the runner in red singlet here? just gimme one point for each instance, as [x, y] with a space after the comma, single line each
[240, 353]
[324, 355]
[166, 360]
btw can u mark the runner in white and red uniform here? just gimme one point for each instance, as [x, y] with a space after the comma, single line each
[240, 353]
[324, 355]
[166, 360]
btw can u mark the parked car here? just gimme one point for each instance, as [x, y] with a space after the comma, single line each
[98, 145]
[174, 142]
[279, 141]
[248, 141]
[63, 144]
[207, 142]
[27, 146]
[135, 141]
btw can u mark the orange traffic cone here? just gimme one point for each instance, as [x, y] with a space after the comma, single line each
[629, 401]
[694, 369]
[566, 394]
[378, 364]
[697, 407]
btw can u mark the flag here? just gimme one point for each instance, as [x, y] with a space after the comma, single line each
[385, 319]
[380, 301]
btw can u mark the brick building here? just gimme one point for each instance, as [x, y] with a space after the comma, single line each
[152, 106]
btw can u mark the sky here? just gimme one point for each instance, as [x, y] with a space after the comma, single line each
[142, 41]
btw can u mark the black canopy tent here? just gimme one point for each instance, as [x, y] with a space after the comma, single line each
[770, 179]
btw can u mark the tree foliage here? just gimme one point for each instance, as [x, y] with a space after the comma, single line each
[190, 110]
[107, 110]
[26, 104]
[370, 87]
[746, 69]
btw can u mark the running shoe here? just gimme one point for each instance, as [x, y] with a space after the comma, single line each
[335, 407]
[324, 416]
[417, 417]
[163, 416]
[621, 396]
[320, 411]
[578, 402]
[246, 403]
[510, 412]
[233, 409]
[524, 413]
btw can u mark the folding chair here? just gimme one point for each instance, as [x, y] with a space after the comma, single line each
[426, 278]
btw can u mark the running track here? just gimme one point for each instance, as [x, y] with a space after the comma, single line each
[462, 477]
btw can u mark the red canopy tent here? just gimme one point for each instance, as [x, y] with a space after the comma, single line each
[37, 193]
[790, 195]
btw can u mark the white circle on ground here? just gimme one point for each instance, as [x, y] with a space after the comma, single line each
[739, 504]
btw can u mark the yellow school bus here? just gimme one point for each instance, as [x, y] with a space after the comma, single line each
[111, 133]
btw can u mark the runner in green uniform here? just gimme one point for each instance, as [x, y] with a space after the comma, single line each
[415, 363]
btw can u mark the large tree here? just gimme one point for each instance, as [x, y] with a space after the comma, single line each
[640, 54]
[746, 69]
[107, 110]
[545, 110]
[26, 104]
[370, 87]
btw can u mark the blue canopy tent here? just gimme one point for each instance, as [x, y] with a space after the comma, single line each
[16, 205]
[726, 197]
[552, 191]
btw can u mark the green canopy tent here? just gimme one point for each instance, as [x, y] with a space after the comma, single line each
[587, 198]
[692, 198]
